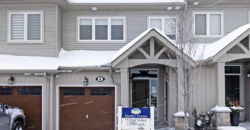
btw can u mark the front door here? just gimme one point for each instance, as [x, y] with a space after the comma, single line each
[140, 93]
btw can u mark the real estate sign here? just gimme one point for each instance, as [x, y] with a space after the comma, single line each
[136, 118]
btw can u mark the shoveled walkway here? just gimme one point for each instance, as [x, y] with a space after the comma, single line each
[245, 124]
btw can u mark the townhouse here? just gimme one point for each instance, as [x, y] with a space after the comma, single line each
[69, 65]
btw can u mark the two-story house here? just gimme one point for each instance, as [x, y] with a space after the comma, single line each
[69, 65]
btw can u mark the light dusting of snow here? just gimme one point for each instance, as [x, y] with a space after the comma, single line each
[220, 109]
[180, 114]
[124, 1]
[237, 108]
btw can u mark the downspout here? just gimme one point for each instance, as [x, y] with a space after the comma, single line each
[51, 101]
[115, 83]
[45, 76]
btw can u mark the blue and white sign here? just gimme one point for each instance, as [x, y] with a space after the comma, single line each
[136, 118]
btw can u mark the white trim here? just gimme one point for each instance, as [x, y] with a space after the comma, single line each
[109, 18]
[162, 17]
[89, 86]
[207, 13]
[9, 13]
[44, 112]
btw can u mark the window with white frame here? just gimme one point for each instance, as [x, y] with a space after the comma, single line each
[25, 26]
[208, 24]
[101, 29]
[165, 24]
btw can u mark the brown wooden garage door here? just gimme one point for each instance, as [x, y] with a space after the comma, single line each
[27, 98]
[87, 108]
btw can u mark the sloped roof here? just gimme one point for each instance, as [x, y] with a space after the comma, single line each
[214, 48]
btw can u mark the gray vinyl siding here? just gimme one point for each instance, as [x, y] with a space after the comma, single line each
[48, 48]
[136, 24]
[59, 30]
[234, 17]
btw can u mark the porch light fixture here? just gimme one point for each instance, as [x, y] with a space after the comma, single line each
[11, 80]
[93, 8]
[177, 8]
[248, 74]
[170, 8]
[85, 81]
[196, 3]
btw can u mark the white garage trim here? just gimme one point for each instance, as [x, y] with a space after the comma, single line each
[43, 101]
[89, 86]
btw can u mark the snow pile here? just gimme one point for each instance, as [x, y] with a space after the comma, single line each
[217, 46]
[199, 123]
[125, 1]
[230, 128]
[180, 114]
[220, 109]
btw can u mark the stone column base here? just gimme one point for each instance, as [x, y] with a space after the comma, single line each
[179, 120]
[221, 116]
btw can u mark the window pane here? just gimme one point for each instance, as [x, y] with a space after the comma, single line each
[200, 24]
[101, 29]
[233, 87]
[170, 28]
[17, 26]
[86, 29]
[232, 69]
[155, 23]
[117, 29]
[215, 24]
[34, 26]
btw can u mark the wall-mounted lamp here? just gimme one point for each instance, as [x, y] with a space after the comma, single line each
[85, 81]
[11, 80]
[248, 74]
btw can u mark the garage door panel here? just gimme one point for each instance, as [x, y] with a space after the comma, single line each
[33, 115]
[98, 105]
[66, 125]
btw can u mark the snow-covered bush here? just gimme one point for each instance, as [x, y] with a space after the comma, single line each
[203, 121]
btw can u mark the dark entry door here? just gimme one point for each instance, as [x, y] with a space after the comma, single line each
[233, 87]
[140, 93]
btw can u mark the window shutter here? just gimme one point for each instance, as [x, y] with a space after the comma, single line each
[34, 27]
[17, 26]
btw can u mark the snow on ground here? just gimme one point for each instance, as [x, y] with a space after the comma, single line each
[124, 1]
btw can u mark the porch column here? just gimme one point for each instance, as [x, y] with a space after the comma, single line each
[220, 85]
[124, 87]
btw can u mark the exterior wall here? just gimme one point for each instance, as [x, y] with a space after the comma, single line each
[203, 96]
[71, 80]
[136, 24]
[21, 80]
[48, 48]
[230, 15]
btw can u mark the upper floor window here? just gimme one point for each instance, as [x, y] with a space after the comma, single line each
[101, 29]
[25, 27]
[208, 24]
[165, 24]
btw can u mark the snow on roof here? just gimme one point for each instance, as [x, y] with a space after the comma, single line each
[125, 1]
[78, 58]
[214, 48]
[130, 44]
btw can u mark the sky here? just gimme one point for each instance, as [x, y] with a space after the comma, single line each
[123, 1]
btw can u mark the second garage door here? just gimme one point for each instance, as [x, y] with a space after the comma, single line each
[87, 108]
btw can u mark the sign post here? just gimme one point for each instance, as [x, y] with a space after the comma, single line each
[135, 118]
